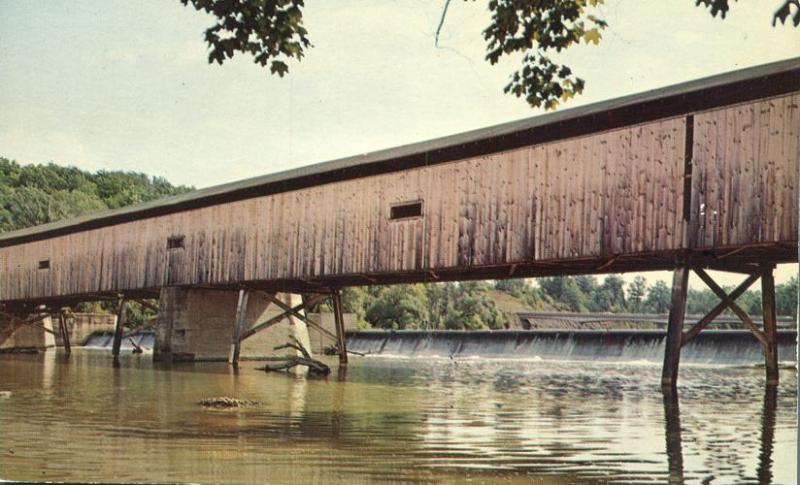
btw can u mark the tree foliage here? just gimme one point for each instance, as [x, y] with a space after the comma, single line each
[269, 30]
[472, 305]
[272, 32]
[637, 291]
[537, 29]
[37, 194]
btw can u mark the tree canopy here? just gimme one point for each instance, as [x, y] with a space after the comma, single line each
[37, 194]
[474, 305]
[272, 32]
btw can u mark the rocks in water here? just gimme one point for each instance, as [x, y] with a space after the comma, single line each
[224, 402]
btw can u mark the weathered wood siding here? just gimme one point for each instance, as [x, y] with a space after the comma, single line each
[597, 196]
[746, 173]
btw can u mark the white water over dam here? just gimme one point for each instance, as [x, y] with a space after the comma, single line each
[719, 347]
[146, 340]
[714, 347]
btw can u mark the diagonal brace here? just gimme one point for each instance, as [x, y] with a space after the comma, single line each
[147, 304]
[295, 311]
[269, 322]
[732, 305]
[717, 310]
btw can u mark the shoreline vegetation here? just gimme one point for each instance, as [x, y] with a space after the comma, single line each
[40, 193]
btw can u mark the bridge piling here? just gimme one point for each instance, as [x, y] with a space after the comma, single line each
[677, 312]
[336, 297]
[62, 323]
[118, 329]
[238, 327]
[770, 324]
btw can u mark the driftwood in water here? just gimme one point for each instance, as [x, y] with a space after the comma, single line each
[314, 366]
[332, 350]
[137, 349]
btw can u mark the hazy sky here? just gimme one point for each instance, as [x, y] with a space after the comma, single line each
[126, 85]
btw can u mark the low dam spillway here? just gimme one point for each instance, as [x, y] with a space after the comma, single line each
[721, 347]
[144, 339]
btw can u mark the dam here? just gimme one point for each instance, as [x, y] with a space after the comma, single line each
[712, 347]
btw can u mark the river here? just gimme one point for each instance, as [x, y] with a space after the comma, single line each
[393, 419]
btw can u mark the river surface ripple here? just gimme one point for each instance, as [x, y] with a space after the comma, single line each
[393, 420]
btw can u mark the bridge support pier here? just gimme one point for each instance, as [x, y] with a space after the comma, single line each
[64, 330]
[770, 324]
[119, 328]
[238, 327]
[32, 332]
[677, 338]
[677, 312]
[197, 324]
[341, 344]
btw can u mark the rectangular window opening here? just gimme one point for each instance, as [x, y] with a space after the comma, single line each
[44, 264]
[406, 210]
[175, 242]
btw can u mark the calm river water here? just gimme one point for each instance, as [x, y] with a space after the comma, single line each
[392, 420]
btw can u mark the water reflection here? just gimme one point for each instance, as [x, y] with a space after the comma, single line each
[674, 448]
[768, 416]
[672, 425]
[393, 419]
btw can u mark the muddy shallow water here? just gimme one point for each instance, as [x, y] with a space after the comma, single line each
[392, 419]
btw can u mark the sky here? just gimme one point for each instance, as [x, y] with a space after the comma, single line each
[119, 85]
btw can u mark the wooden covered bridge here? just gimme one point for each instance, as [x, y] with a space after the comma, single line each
[702, 175]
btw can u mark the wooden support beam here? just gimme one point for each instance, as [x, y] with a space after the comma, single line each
[62, 323]
[717, 310]
[742, 268]
[295, 313]
[743, 316]
[147, 304]
[677, 312]
[272, 321]
[770, 324]
[118, 330]
[238, 327]
[607, 263]
[336, 296]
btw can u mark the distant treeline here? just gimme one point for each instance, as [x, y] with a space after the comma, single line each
[470, 305]
[38, 194]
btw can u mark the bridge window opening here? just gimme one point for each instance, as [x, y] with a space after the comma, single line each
[44, 264]
[406, 210]
[175, 242]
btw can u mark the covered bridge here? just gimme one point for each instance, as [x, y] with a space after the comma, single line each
[698, 175]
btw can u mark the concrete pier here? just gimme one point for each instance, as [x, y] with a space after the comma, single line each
[18, 336]
[198, 325]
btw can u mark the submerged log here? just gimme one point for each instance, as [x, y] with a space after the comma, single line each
[314, 366]
[333, 350]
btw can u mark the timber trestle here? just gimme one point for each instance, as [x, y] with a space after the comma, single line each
[298, 311]
[678, 338]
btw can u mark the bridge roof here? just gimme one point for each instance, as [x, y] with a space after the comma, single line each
[710, 92]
